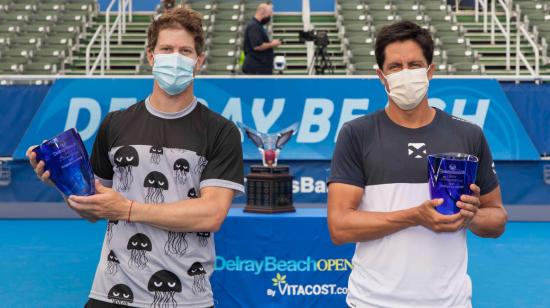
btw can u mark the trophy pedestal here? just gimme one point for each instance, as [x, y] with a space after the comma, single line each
[269, 190]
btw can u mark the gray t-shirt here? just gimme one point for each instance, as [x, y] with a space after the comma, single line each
[414, 267]
[155, 157]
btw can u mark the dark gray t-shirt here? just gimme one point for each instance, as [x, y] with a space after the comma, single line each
[155, 157]
[374, 150]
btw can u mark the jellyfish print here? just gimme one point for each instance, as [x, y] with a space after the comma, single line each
[201, 164]
[126, 158]
[203, 238]
[192, 193]
[156, 152]
[112, 263]
[164, 285]
[138, 245]
[197, 272]
[156, 183]
[181, 168]
[110, 226]
[121, 294]
[176, 243]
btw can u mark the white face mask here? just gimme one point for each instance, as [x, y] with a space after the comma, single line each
[408, 87]
[173, 72]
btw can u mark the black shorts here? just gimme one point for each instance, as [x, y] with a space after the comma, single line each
[94, 303]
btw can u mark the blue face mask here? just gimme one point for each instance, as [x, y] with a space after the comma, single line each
[173, 72]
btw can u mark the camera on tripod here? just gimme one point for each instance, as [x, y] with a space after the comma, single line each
[321, 62]
[319, 38]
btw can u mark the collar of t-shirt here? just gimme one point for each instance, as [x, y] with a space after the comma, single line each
[170, 115]
[404, 129]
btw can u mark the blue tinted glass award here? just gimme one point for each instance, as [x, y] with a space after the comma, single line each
[450, 176]
[67, 160]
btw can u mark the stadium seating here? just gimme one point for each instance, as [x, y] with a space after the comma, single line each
[38, 37]
[359, 21]
[50, 36]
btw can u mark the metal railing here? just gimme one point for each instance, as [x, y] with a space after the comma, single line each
[107, 31]
[119, 24]
[505, 30]
[484, 5]
[100, 59]
[520, 57]
[306, 20]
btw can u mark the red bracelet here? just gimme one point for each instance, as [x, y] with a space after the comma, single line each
[130, 210]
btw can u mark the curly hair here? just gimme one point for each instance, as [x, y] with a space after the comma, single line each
[178, 18]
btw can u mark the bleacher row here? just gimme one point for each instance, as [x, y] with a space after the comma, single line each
[462, 47]
[41, 37]
[360, 20]
[36, 36]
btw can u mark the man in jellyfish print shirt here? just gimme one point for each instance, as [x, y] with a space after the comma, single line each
[167, 169]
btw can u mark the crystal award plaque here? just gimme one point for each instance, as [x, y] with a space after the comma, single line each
[67, 160]
[450, 176]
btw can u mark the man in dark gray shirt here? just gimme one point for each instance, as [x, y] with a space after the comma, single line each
[407, 254]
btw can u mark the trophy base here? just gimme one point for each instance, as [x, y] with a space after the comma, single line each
[269, 190]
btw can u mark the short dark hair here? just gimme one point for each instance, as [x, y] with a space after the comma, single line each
[179, 18]
[399, 32]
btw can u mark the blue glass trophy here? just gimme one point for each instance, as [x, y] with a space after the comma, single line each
[450, 176]
[67, 160]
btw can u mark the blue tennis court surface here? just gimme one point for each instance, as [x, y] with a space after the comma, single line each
[51, 263]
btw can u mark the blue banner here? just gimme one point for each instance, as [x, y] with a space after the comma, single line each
[17, 108]
[294, 6]
[532, 104]
[320, 105]
[284, 260]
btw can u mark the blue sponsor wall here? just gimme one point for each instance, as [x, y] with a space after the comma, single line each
[284, 260]
[278, 5]
[320, 106]
[17, 108]
[510, 119]
[532, 105]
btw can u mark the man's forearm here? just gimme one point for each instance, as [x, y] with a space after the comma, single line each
[193, 215]
[489, 222]
[264, 46]
[359, 226]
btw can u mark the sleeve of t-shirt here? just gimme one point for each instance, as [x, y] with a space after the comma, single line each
[346, 165]
[486, 174]
[225, 161]
[101, 165]
[255, 37]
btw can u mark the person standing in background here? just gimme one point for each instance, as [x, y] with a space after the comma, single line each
[258, 48]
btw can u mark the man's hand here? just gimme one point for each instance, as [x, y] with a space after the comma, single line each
[429, 218]
[276, 43]
[469, 205]
[38, 167]
[106, 203]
